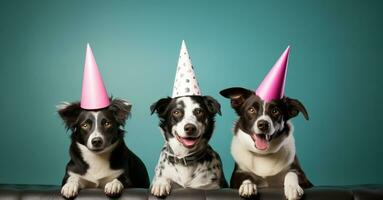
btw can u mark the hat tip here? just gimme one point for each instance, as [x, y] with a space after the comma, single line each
[288, 48]
[183, 43]
[88, 46]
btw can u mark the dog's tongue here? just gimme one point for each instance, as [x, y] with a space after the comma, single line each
[260, 142]
[188, 142]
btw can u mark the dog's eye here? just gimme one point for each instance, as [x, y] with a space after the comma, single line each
[107, 124]
[198, 111]
[85, 125]
[251, 110]
[176, 113]
[275, 111]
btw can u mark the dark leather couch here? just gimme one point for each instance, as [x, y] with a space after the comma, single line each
[358, 192]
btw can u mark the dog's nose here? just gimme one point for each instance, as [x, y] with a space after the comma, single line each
[97, 142]
[190, 129]
[263, 125]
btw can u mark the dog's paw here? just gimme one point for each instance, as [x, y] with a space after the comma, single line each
[292, 189]
[161, 188]
[113, 188]
[70, 190]
[247, 189]
[293, 192]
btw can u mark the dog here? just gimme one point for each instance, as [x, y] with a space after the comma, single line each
[187, 160]
[99, 157]
[263, 144]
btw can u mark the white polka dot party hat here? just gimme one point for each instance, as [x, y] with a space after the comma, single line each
[185, 83]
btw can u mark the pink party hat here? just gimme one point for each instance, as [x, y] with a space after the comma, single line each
[273, 86]
[185, 83]
[94, 95]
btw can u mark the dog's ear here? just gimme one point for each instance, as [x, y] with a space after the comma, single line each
[212, 105]
[121, 110]
[160, 106]
[294, 107]
[69, 112]
[237, 96]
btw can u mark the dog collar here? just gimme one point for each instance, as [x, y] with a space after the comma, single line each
[187, 160]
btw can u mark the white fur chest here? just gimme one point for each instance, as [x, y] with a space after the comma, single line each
[198, 175]
[183, 175]
[99, 172]
[263, 165]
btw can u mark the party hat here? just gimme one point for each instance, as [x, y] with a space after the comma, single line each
[94, 95]
[273, 86]
[185, 83]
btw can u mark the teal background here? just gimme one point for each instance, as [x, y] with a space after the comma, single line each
[335, 69]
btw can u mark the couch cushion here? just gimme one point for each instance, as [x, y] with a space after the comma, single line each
[38, 192]
[358, 192]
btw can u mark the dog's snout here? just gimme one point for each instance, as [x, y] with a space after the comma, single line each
[97, 142]
[263, 125]
[190, 129]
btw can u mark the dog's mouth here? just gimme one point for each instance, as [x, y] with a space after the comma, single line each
[106, 148]
[188, 142]
[261, 141]
[96, 150]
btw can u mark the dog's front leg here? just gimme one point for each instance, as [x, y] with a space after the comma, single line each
[161, 187]
[71, 187]
[292, 189]
[113, 188]
[244, 182]
[161, 184]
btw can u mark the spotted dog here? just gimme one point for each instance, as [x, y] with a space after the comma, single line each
[99, 157]
[263, 144]
[187, 160]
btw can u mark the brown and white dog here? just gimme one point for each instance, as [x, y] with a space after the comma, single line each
[263, 144]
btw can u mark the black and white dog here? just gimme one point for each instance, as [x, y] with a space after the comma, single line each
[263, 144]
[187, 160]
[99, 157]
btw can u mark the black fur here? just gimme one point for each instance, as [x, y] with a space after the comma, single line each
[135, 174]
[209, 108]
[243, 99]
[165, 106]
[249, 107]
